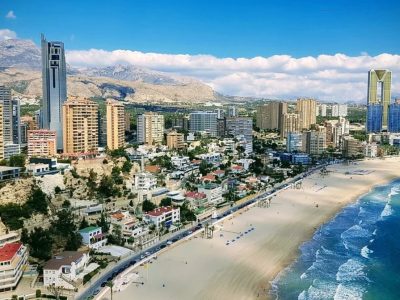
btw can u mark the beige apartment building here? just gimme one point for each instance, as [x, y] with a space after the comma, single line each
[150, 128]
[1, 134]
[289, 123]
[175, 140]
[42, 143]
[80, 126]
[307, 109]
[115, 124]
[269, 115]
[127, 121]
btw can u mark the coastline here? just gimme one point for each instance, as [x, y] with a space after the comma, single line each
[210, 269]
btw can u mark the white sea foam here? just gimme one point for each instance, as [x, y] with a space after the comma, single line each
[302, 296]
[365, 252]
[375, 231]
[387, 211]
[347, 292]
[303, 276]
[320, 290]
[350, 270]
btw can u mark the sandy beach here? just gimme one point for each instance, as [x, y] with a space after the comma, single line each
[210, 269]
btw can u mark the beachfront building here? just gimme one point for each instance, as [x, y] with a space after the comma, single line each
[352, 147]
[64, 269]
[314, 142]
[13, 259]
[93, 237]
[163, 216]
[294, 142]
[371, 150]
[213, 193]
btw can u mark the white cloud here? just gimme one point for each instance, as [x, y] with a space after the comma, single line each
[11, 15]
[327, 77]
[6, 34]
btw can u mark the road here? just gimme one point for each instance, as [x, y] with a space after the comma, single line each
[137, 258]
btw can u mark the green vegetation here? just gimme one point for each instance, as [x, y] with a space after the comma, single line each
[166, 202]
[148, 206]
[187, 215]
[29, 109]
[162, 161]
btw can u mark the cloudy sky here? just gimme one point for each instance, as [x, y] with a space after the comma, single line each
[274, 49]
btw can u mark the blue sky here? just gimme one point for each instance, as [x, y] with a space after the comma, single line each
[220, 28]
[273, 49]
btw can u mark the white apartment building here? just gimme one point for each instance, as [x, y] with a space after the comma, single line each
[210, 158]
[204, 121]
[163, 215]
[64, 269]
[93, 237]
[150, 128]
[213, 193]
[371, 150]
[145, 181]
[339, 110]
[13, 258]
[180, 162]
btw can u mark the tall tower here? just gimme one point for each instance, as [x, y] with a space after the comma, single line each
[80, 126]
[306, 108]
[269, 115]
[115, 125]
[150, 128]
[54, 84]
[379, 91]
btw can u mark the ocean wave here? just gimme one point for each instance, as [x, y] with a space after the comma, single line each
[387, 211]
[394, 191]
[351, 270]
[365, 251]
[319, 290]
[355, 231]
[346, 292]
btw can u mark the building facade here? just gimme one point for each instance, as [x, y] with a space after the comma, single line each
[314, 142]
[394, 117]
[150, 128]
[294, 142]
[204, 121]
[93, 237]
[163, 216]
[241, 127]
[289, 123]
[42, 143]
[374, 118]
[306, 108]
[80, 126]
[269, 116]
[54, 86]
[115, 124]
[339, 110]
[175, 140]
[13, 259]
[379, 93]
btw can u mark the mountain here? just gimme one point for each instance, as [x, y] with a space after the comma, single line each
[20, 68]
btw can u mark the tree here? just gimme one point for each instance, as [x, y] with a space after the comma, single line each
[204, 167]
[40, 243]
[66, 204]
[116, 237]
[37, 201]
[84, 223]
[105, 226]
[64, 224]
[186, 213]
[126, 167]
[166, 202]
[116, 175]
[148, 206]
[57, 190]
[74, 241]
[25, 236]
[17, 161]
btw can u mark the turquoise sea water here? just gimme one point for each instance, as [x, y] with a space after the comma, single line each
[354, 256]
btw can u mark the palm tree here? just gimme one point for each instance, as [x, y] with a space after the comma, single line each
[110, 284]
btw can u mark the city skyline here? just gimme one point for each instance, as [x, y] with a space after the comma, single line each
[276, 61]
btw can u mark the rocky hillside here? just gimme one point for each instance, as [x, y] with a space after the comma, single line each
[20, 65]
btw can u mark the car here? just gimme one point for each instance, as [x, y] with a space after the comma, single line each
[169, 242]
[158, 248]
[96, 292]
[142, 256]
[103, 284]
[163, 246]
[174, 240]
[147, 253]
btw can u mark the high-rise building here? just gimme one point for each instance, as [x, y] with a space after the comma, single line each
[306, 108]
[11, 117]
[232, 111]
[314, 142]
[80, 126]
[115, 124]
[220, 113]
[54, 82]
[269, 115]
[127, 121]
[204, 121]
[180, 122]
[289, 123]
[374, 117]
[322, 110]
[294, 142]
[1, 134]
[241, 127]
[150, 128]
[352, 147]
[394, 117]
[379, 93]
[339, 110]
[175, 140]
[42, 143]
[221, 127]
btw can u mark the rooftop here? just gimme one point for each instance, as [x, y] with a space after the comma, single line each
[66, 258]
[160, 211]
[8, 251]
[4, 168]
[195, 195]
[89, 229]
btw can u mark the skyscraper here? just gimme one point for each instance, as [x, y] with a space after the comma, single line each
[54, 84]
[306, 108]
[289, 123]
[269, 115]
[241, 127]
[314, 142]
[379, 92]
[339, 110]
[374, 117]
[80, 126]
[204, 121]
[115, 124]
[394, 117]
[150, 128]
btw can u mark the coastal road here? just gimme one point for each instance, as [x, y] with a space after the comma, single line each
[146, 254]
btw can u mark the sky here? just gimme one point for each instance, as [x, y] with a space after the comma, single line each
[317, 48]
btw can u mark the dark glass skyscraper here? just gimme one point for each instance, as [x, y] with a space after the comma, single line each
[54, 80]
[394, 117]
[374, 117]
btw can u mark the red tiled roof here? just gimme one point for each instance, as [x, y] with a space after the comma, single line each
[8, 251]
[217, 172]
[237, 167]
[195, 195]
[159, 211]
[208, 177]
[152, 169]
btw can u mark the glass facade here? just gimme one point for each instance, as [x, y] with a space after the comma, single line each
[374, 118]
[394, 117]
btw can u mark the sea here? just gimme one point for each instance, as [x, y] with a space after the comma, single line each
[356, 255]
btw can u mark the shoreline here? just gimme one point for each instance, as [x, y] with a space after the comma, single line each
[220, 272]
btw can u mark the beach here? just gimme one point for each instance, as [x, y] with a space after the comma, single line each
[262, 241]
